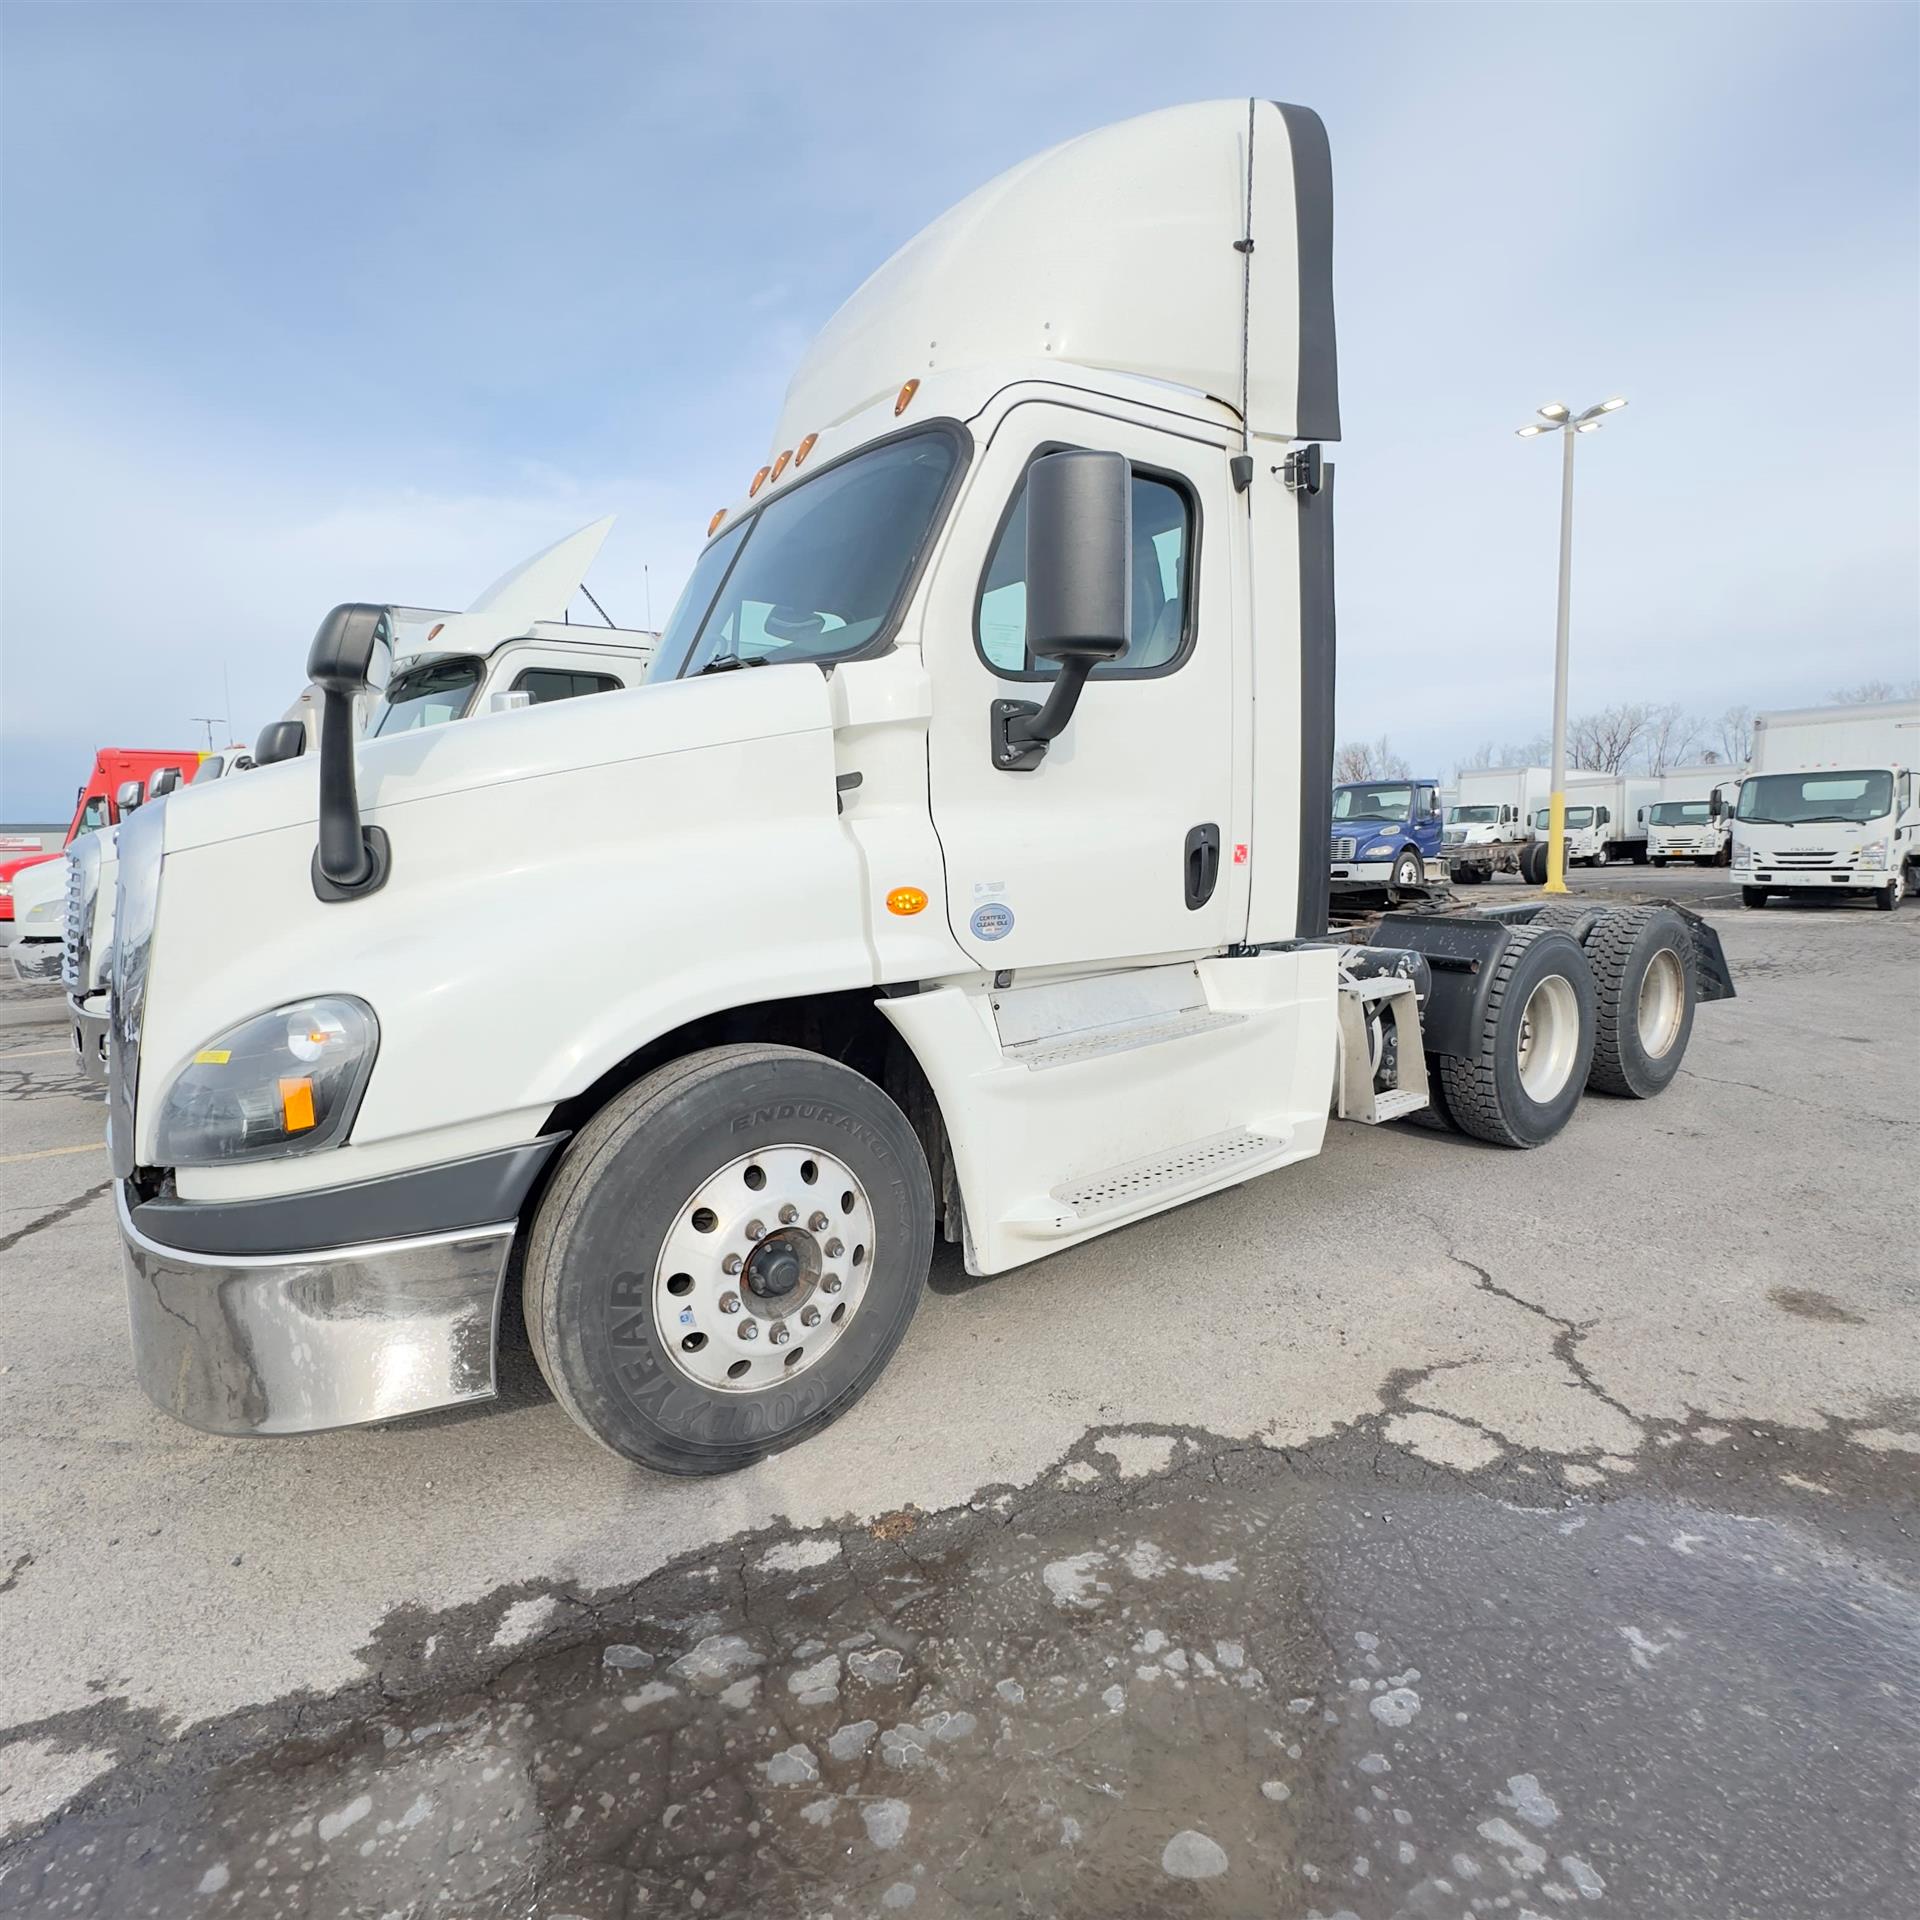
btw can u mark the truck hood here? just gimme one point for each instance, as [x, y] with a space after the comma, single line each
[21, 862]
[496, 749]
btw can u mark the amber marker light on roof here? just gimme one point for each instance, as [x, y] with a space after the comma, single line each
[759, 481]
[780, 465]
[713, 525]
[805, 447]
[906, 397]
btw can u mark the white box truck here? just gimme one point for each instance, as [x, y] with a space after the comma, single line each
[961, 869]
[1692, 817]
[1829, 803]
[1606, 818]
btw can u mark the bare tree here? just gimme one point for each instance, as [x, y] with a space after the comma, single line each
[1670, 737]
[1735, 731]
[1603, 742]
[1481, 756]
[1870, 692]
[1369, 760]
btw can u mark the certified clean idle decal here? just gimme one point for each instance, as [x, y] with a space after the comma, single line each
[993, 921]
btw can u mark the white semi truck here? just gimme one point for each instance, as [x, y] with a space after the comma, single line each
[1605, 820]
[511, 648]
[1829, 803]
[961, 869]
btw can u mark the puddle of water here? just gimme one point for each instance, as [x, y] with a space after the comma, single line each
[1265, 1698]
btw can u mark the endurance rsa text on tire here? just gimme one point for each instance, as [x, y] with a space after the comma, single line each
[1535, 1046]
[1645, 989]
[1753, 896]
[727, 1256]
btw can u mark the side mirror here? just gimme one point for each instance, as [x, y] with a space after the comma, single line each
[1715, 805]
[1079, 592]
[128, 795]
[351, 654]
[163, 783]
[279, 740]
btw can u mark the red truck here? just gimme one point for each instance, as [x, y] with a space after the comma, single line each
[98, 803]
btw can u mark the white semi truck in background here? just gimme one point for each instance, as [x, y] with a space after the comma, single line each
[1829, 805]
[961, 869]
[513, 647]
[1489, 823]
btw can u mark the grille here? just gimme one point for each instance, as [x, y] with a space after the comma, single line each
[1343, 849]
[1810, 857]
[73, 939]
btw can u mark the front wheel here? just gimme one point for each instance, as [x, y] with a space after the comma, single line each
[1659, 859]
[727, 1256]
[1408, 870]
[1890, 896]
[1753, 896]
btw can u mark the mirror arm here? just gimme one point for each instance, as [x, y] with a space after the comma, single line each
[351, 860]
[1020, 730]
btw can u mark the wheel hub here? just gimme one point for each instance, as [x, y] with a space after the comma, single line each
[763, 1269]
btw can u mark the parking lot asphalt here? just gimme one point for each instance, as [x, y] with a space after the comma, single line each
[1616, 1444]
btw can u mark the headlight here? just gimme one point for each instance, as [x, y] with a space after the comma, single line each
[1742, 854]
[6, 890]
[288, 1081]
[1874, 854]
[1377, 851]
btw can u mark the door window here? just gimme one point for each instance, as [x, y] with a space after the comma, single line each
[93, 815]
[559, 683]
[1163, 576]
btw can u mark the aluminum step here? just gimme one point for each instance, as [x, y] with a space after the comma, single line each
[1397, 1104]
[1147, 1185]
[1055, 1050]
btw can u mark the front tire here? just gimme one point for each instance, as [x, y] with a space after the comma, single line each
[1535, 1045]
[1753, 896]
[1659, 859]
[1408, 870]
[1890, 896]
[669, 1328]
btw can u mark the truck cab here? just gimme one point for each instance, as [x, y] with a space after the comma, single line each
[1586, 831]
[959, 869]
[120, 779]
[1385, 831]
[1695, 830]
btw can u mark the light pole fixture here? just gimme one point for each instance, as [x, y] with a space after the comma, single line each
[1555, 418]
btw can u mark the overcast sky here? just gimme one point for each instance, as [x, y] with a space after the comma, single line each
[305, 303]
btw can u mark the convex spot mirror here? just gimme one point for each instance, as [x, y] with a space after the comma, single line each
[1079, 591]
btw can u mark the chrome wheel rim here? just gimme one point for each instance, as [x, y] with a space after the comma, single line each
[763, 1270]
[1549, 1037]
[1663, 1000]
[1410, 874]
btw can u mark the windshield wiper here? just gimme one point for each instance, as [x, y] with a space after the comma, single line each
[1813, 819]
[726, 663]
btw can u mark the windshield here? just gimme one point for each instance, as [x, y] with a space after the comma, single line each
[1678, 813]
[1576, 817]
[1788, 799]
[1372, 802]
[818, 571]
[1472, 816]
[428, 695]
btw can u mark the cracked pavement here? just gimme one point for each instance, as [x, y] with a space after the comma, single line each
[1701, 1312]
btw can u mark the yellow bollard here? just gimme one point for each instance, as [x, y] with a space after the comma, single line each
[1556, 844]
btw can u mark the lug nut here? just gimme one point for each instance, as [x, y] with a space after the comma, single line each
[818, 1223]
[779, 1336]
[731, 1264]
[809, 1316]
[789, 1214]
[834, 1249]
[729, 1303]
[749, 1329]
[831, 1284]
[756, 1230]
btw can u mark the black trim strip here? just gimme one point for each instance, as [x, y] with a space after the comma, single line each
[1317, 402]
[480, 1192]
[1317, 659]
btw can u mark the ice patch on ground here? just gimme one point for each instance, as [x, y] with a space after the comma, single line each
[1074, 1581]
[1192, 1856]
[1529, 1800]
[886, 1822]
[1396, 1707]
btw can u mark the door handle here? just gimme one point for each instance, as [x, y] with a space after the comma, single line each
[1202, 864]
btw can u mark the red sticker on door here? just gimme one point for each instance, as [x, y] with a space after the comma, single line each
[1239, 853]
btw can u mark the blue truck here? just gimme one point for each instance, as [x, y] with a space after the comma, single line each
[1384, 831]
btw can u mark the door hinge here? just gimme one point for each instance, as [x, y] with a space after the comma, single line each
[1302, 470]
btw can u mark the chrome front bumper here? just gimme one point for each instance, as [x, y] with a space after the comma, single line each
[297, 1343]
[88, 1021]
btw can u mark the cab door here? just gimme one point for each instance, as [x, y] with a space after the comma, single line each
[1121, 844]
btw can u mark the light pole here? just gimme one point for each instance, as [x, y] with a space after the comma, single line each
[1560, 420]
